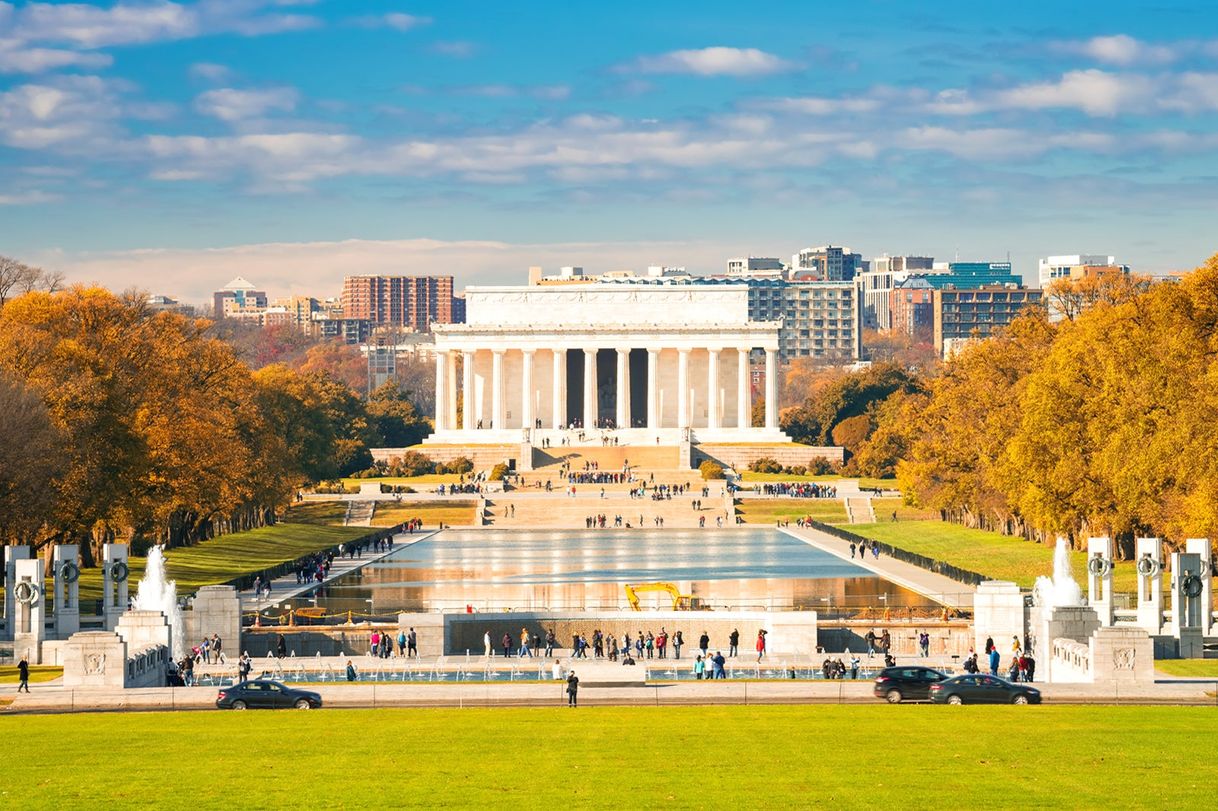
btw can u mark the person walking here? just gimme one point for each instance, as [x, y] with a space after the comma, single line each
[486, 644]
[281, 647]
[23, 675]
[245, 665]
[524, 644]
[760, 644]
[995, 659]
[885, 641]
[718, 662]
[412, 644]
[402, 643]
[217, 650]
[506, 642]
[551, 641]
[572, 689]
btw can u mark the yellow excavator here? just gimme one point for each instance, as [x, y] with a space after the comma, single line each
[680, 601]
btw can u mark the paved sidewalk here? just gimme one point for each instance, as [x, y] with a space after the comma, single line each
[941, 589]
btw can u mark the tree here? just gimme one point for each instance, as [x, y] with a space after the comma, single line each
[29, 463]
[1072, 297]
[393, 420]
[17, 278]
[848, 394]
[337, 360]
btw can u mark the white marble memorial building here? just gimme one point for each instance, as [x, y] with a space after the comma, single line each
[642, 362]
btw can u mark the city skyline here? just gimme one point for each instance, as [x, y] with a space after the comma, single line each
[172, 146]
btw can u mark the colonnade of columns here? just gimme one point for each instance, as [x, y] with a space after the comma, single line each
[687, 392]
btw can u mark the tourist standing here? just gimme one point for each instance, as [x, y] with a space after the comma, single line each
[402, 643]
[281, 646]
[677, 642]
[870, 639]
[245, 665]
[350, 671]
[718, 662]
[699, 667]
[412, 644]
[23, 675]
[995, 658]
[506, 642]
[486, 644]
[885, 641]
[704, 643]
[551, 641]
[733, 642]
[572, 689]
[760, 644]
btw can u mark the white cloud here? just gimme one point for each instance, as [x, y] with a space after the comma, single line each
[1124, 50]
[405, 22]
[1193, 93]
[17, 58]
[27, 198]
[817, 105]
[68, 112]
[230, 104]
[715, 61]
[1095, 92]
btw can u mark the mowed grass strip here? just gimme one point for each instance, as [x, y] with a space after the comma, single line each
[998, 556]
[326, 513]
[222, 559]
[770, 510]
[718, 757]
[38, 673]
[1188, 668]
[885, 507]
[451, 513]
[865, 482]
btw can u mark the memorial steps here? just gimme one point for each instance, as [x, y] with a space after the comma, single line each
[609, 459]
[531, 511]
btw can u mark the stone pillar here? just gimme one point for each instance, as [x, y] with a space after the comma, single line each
[441, 391]
[1099, 578]
[744, 405]
[497, 409]
[114, 583]
[526, 393]
[683, 420]
[216, 610]
[29, 611]
[1202, 548]
[450, 419]
[95, 659]
[12, 554]
[623, 388]
[467, 391]
[590, 388]
[653, 393]
[712, 388]
[998, 614]
[771, 389]
[1150, 585]
[1186, 590]
[67, 590]
[560, 389]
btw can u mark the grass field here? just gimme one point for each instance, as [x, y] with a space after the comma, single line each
[38, 673]
[623, 757]
[326, 513]
[1189, 668]
[428, 478]
[769, 510]
[998, 556]
[884, 508]
[456, 513]
[865, 482]
[229, 556]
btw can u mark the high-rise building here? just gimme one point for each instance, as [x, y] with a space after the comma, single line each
[876, 283]
[755, 267]
[962, 315]
[828, 263]
[236, 297]
[912, 308]
[399, 301]
[300, 309]
[819, 319]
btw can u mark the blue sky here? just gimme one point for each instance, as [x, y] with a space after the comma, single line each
[173, 145]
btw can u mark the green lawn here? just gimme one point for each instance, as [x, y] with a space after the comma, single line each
[864, 481]
[229, 556]
[38, 673]
[1192, 668]
[427, 478]
[769, 510]
[326, 513]
[623, 757]
[884, 508]
[454, 513]
[998, 556]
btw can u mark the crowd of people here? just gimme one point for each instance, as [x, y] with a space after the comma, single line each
[643, 645]
[797, 489]
[381, 644]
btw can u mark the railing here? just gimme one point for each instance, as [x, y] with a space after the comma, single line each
[930, 564]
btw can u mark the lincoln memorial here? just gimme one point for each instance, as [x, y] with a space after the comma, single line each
[644, 364]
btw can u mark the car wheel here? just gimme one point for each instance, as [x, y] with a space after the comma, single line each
[955, 700]
[303, 704]
[894, 696]
[239, 705]
[1020, 699]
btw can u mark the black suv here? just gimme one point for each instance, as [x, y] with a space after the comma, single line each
[264, 694]
[907, 683]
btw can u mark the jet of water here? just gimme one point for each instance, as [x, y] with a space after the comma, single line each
[156, 592]
[1061, 589]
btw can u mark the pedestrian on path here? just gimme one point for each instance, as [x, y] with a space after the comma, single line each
[760, 644]
[412, 644]
[486, 644]
[23, 675]
[572, 690]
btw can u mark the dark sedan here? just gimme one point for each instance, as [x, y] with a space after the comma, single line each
[982, 689]
[264, 694]
[911, 683]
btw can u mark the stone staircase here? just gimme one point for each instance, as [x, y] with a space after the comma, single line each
[530, 511]
[609, 458]
[359, 513]
[859, 510]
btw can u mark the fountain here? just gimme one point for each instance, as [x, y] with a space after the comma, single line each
[158, 593]
[1061, 590]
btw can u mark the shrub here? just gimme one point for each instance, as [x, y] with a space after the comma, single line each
[413, 463]
[499, 472]
[462, 464]
[765, 465]
[797, 470]
[711, 470]
[822, 467]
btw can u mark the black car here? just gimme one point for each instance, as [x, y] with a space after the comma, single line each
[911, 683]
[264, 694]
[979, 688]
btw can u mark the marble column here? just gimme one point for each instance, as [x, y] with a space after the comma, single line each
[497, 409]
[559, 418]
[451, 419]
[771, 388]
[653, 393]
[712, 388]
[441, 390]
[683, 420]
[590, 388]
[526, 386]
[467, 390]
[744, 408]
[623, 388]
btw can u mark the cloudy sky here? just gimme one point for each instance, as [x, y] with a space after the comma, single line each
[174, 145]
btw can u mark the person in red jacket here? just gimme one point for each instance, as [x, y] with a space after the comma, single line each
[760, 644]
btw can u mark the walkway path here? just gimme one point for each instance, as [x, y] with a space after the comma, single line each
[286, 587]
[937, 587]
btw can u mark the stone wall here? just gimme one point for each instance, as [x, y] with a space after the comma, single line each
[484, 457]
[998, 613]
[215, 610]
[740, 457]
